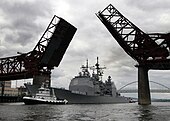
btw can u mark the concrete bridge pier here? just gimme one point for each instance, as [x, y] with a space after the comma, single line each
[144, 97]
[40, 79]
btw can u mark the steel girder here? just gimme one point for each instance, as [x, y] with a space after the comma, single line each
[139, 45]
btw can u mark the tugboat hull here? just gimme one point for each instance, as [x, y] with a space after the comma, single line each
[31, 101]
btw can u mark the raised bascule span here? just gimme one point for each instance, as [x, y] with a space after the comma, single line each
[46, 55]
[151, 51]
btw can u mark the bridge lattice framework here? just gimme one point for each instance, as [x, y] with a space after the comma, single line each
[150, 50]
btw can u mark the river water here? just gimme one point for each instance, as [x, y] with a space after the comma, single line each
[157, 111]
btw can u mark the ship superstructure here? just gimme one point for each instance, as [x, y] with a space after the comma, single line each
[92, 84]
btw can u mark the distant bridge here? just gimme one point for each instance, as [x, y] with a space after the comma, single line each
[165, 90]
[152, 91]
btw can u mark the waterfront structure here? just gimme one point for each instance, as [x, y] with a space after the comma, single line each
[8, 90]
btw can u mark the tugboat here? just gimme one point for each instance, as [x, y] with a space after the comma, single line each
[43, 96]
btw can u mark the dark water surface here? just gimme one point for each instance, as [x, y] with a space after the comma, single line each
[158, 111]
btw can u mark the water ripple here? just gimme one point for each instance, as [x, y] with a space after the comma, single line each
[99, 112]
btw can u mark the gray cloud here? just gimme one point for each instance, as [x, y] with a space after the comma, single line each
[150, 16]
[22, 22]
[19, 27]
[144, 5]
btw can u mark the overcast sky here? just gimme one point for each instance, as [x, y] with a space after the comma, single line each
[22, 22]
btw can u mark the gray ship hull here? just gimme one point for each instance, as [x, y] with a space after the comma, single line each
[74, 98]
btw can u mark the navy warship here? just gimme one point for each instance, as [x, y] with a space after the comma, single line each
[89, 88]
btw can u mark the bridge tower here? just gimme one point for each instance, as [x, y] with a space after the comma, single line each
[151, 51]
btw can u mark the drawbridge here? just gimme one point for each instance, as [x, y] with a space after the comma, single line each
[46, 55]
[150, 50]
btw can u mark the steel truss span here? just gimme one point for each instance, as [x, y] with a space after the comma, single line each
[151, 50]
[46, 55]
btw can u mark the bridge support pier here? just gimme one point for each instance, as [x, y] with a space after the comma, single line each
[3, 87]
[144, 97]
[42, 78]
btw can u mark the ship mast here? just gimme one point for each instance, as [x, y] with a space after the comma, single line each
[99, 69]
[97, 66]
[87, 64]
[85, 69]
